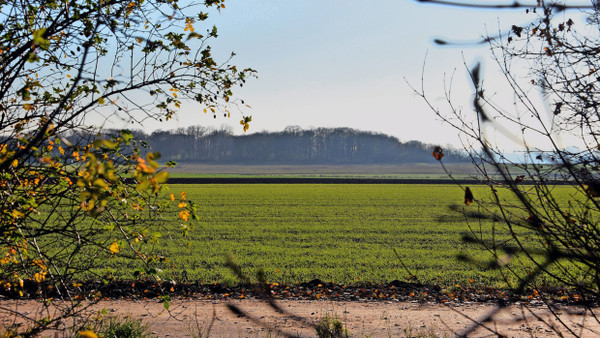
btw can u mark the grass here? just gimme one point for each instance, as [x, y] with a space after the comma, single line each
[339, 233]
[331, 327]
[125, 328]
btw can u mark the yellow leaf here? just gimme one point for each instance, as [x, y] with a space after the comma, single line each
[172, 197]
[161, 177]
[17, 214]
[114, 248]
[15, 163]
[39, 276]
[101, 100]
[87, 334]
[184, 215]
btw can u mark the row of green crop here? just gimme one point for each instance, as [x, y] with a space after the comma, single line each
[340, 233]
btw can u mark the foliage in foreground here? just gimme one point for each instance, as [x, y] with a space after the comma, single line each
[68, 204]
[555, 57]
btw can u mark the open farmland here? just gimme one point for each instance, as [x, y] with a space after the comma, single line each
[374, 171]
[332, 232]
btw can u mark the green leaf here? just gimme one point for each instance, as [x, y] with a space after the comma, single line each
[100, 183]
[166, 300]
[39, 40]
[126, 136]
[32, 57]
[144, 185]
[161, 177]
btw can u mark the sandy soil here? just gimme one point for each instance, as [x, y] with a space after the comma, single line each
[192, 318]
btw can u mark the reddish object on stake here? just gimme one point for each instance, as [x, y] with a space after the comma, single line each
[437, 153]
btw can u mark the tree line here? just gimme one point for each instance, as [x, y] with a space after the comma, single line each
[293, 145]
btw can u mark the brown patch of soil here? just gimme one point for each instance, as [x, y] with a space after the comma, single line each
[192, 318]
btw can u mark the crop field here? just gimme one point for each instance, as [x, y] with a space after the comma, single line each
[389, 171]
[332, 232]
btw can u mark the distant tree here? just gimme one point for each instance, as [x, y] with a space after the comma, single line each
[554, 57]
[70, 202]
[291, 146]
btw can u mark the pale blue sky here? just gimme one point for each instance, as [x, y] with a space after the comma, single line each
[343, 63]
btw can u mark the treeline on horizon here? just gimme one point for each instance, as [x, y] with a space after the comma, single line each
[293, 145]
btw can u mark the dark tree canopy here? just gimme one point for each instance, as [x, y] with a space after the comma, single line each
[290, 146]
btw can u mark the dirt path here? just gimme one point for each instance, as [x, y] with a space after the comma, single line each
[189, 318]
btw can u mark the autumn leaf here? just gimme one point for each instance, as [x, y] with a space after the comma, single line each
[468, 196]
[114, 248]
[592, 189]
[87, 334]
[517, 30]
[184, 215]
[17, 214]
[39, 276]
[246, 122]
[437, 153]
[161, 177]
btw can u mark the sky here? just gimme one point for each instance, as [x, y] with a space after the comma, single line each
[349, 63]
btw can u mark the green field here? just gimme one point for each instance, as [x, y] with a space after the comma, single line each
[339, 233]
[388, 171]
